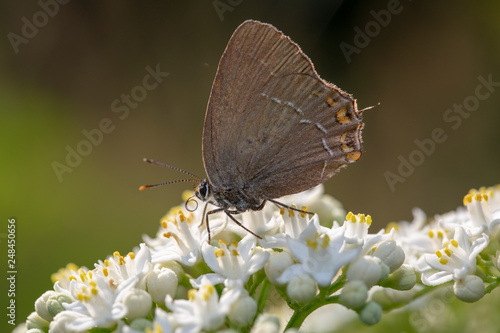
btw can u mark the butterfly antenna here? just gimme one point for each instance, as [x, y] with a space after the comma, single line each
[170, 167]
[143, 187]
[370, 107]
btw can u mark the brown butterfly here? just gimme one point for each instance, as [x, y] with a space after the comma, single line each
[273, 127]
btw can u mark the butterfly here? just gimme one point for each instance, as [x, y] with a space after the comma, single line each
[272, 128]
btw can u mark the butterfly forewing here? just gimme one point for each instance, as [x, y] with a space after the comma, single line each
[273, 127]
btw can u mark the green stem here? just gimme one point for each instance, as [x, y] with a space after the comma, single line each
[492, 286]
[301, 313]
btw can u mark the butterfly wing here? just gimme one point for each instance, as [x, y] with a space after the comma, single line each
[273, 127]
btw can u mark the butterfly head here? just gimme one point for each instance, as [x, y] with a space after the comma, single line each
[202, 190]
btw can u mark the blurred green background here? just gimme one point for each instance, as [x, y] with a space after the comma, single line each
[63, 79]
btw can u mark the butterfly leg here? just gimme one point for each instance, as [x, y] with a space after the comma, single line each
[208, 224]
[229, 212]
[279, 204]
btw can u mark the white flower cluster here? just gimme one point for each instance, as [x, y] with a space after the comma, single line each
[177, 282]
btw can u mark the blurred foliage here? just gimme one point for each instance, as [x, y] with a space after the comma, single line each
[65, 79]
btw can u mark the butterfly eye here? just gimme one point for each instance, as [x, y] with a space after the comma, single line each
[203, 191]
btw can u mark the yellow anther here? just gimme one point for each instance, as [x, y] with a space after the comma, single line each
[219, 253]
[443, 261]
[72, 278]
[438, 253]
[105, 272]
[390, 226]
[448, 252]
[221, 241]
[348, 217]
[121, 261]
[164, 224]
[325, 241]
[182, 218]
[234, 243]
[191, 294]
[167, 234]
[304, 209]
[312, 243]
[234, 252]
[291, 213]
[440, 234]
[361, 218]
[467, 199]
[208, 291]
[83, 277]
[116, 254]
[430, 233]
[368, 219]
[94, 291]
[106, 262]
[282, 211]
[131, 255]
[454, 243]
[90, 275]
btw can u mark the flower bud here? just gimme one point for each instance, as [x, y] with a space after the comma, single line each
[301, 288]
[354, 294]
[41, 305]
[141, 324]
[55, 303]
[34, 321]
[403, 278]
[390, 254]
[366, 269]
[470, 289]
[243, 311]
[266, 324]
[276, 264]
[160, 282]
[371, 313]
[138, 303]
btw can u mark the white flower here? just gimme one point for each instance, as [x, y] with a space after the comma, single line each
[34, 321]
[371, 313]
[390, 254]
[181, 236]
[356, 233]
[118, 268]
[161, 323]
[51, 303]
[469, 289]
[301, 288]
[276, 265]
[367, 269]
[455, 261]
[354, 294]
[243, 310]
[235, 261]
[160, 282]
[203, 310]
[266, 324]
[99, 303]
[138, 303]
[63, 323]
[320, 252]
[415, 237]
